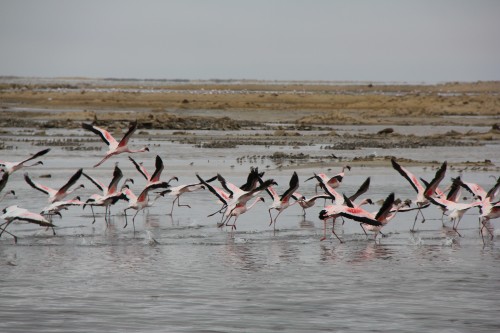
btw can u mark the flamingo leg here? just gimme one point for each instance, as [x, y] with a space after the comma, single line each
[361, 225]
[414, 222]
[15, 237]
[173, 202]
[133, 219]
[324, 230]
[270, 217]
[125, 212]
[274, 225]
[5, 227]
[179, 203]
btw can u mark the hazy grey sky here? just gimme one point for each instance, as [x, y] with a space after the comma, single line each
[415, 41]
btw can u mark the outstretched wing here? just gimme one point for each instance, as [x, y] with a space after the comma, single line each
[105, 135]
[142, 170]
[155, 177]
[131, 129]
[408, 175]
[71, 181]
[39, 187]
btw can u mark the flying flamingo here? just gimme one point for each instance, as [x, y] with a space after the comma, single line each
[422, 193]
[456, 209]
[151, 178]
[386, 213]
[11, 167]
[236, 202]
[306, 203]
[179, 190]
[333, 182]
[57, 206]
[142, 201]
[115, 147]
[239, 209]
[354, 213]
[109, 194]
[488, 213]
[56, 195]
[13, 213]
[280, 203]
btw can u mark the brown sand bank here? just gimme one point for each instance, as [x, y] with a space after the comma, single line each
[306, 104]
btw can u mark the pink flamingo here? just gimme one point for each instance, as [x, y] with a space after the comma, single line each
[355, 213]
[11, 167]
[115, 147]
[151, 178]
[142, 201]
[109, 194]
[235, 203]
[422, 193]
[13, 213]
[280, 203]
[56, 195]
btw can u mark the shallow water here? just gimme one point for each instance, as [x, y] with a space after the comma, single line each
[181, 273]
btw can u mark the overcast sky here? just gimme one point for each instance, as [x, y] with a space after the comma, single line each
[411, 41]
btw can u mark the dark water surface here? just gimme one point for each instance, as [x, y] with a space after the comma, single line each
[181, 273]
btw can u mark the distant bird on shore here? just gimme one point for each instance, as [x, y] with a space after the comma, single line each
[115, 147]
[11, 167]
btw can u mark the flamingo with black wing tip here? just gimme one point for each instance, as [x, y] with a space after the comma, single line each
[422, 193]
[280, 203]
[142, 201]
[115, 147]
[333, 182]
[354, 213]
[109, 194]
[14, 212]
[235, 203]
[56, 195]
[179, 190]
[11, 167]
[155, 176]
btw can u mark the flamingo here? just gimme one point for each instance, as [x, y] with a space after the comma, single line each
[56, 207]
[422, 193]
[456, 209]
[61, 205]
[13, 213]
[333, 182]
[387, 212]
[142, 201]
[109, 194]
[177, 191]
[306, 203]
[236, 202]
[56, 195]
[341, 200]
[239, 209]
[115, 147]
[488, 209]
[488, 213]
[280, 203]
[11, 167]
[151, 178]
[353, 213]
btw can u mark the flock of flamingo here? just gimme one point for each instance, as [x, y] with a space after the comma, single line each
[235, 200]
